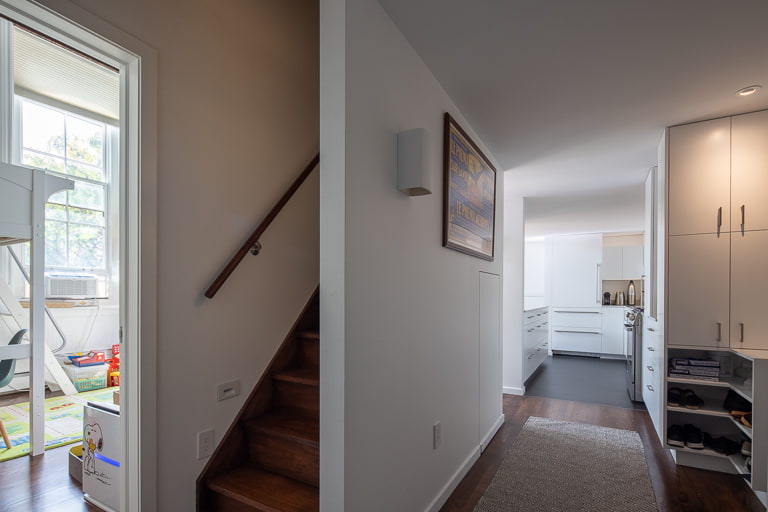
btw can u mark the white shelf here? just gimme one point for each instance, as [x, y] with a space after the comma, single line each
[739, 462]
[725, 382]
[737, 459]
[745, 429]
[707, 410]
[705, 451]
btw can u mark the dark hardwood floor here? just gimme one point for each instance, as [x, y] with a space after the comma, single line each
[41, 484]
[677, 488]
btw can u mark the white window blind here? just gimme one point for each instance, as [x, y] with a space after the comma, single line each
[46, 69]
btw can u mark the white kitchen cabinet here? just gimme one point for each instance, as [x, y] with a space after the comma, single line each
[749, 282]
[653, 376]
[698, 297]
[576, 280]
[576, 340]
[749, 171]
[649, 243]
[612, 263]
[700, 177]
[632, 262]
[612, 342]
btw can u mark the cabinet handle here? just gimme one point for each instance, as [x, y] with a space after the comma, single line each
[650, 368]
[530, 330]
[651, 329]
[580, 312]
[578, 332]
[719, 220]
[531, 356]
[650, 388]
[743, 219]
[741, 328]
[651, 349]
[719, 331]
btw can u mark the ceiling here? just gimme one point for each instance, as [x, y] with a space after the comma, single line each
[572, 96]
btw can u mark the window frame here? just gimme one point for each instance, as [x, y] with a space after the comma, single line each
[110, 185]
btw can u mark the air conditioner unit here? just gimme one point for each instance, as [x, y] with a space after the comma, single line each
[69, 285]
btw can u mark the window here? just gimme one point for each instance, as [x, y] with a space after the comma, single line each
[73, 146]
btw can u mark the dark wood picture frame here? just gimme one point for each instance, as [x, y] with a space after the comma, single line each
[450, 240]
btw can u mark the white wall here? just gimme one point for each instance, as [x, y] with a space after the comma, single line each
[405, 307]
[605, 211]
[513, 290]
[237, 121]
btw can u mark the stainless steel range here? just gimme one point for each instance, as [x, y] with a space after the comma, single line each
[633, 346]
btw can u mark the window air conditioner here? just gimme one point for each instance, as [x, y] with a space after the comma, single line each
[69, 285]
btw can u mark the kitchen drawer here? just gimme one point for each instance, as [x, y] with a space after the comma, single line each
[587, 318]
[532, 360]
[576, 340]
[533, 334]
[535, 316]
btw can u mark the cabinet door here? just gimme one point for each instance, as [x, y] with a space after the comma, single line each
[649, 243]
[698, 293]
[576, 270]
[749, 171]
[612, 261]
[613, 331]
[700, 177]
[632, 262]
[749, 281]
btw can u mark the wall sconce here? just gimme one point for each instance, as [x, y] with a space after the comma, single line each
[413, 177]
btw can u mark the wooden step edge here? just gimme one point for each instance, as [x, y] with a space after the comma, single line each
[308, 335]
[258, 426]
[298, 377]
[226, 486]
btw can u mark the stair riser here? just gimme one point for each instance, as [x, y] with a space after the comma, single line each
[300, 397]
[285, 457]
[221, 503]
[310, 353]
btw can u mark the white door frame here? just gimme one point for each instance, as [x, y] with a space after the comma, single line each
[137, 63]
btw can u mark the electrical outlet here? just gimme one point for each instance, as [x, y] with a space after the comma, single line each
[204, 444]
[437, 435]
[228, 390]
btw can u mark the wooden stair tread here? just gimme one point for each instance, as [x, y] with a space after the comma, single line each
[308, 335]
[266, 491]
[288, 425]
[307, 376]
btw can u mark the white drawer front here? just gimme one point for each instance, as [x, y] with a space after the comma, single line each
[535, 317]
[582, 319]
[573, 340]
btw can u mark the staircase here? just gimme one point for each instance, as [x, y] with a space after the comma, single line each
[268, 461]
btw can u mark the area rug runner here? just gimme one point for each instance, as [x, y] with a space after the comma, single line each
[563, 466]
[63, 421]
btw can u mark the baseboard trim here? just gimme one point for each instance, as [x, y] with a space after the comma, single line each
[514, 391]
[495, 428]
[451, 485]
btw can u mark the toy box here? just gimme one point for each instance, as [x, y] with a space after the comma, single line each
[87, 378]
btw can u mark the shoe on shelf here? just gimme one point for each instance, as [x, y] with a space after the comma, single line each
[674, 397]
[746, 448]
[675, 436]
[690, 400]
[746, 420]
[735, 404]
[694, 439]
[748, 464]
[723, 445]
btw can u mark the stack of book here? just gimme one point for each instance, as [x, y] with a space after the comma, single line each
[695, 369]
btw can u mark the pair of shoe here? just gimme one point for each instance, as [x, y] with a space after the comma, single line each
[737, 405]
[745, 418]
[746, 448]
[686, 436]
[722, 444]
[677, 397]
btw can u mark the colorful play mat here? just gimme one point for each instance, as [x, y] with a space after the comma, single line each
[63, 421]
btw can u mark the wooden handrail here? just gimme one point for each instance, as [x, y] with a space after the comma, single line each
[252, 244]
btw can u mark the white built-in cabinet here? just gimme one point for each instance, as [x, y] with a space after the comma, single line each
[749, 171]
[612, 263]
[700, 177]
[612, 341]
[718, 217]
[698, 282]
[576, 281]
[749, 282]
[622, 263]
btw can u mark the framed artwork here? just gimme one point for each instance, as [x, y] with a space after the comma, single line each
[470, 194]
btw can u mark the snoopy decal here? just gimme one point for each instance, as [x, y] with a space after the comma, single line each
[92, 441]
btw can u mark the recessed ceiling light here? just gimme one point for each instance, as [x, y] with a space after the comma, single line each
[749, 91]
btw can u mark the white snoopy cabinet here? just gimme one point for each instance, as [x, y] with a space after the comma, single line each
[101, 455]
[23, 194]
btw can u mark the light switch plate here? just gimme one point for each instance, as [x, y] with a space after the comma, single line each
[204, 444]
[228, 390]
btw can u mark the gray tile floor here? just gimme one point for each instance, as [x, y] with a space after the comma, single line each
[582, 379]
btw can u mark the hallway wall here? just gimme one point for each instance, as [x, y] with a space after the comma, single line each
[400, 311]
